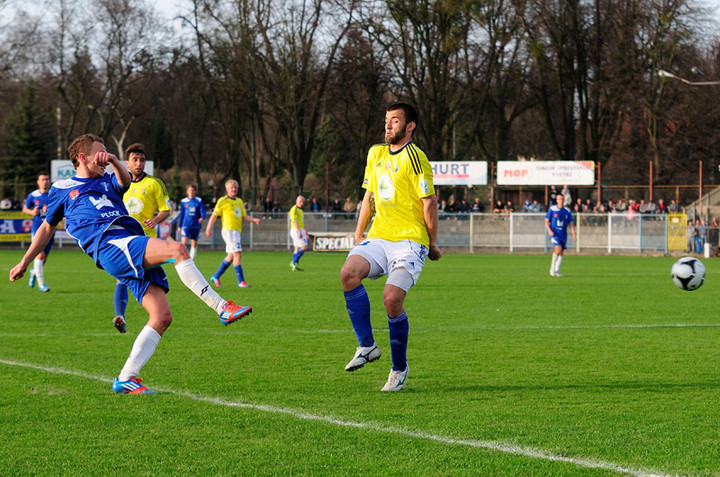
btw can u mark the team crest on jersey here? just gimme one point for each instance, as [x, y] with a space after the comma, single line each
[73, 194]
[134, 205]
[238, 212]
[424, 186]
[386, 188]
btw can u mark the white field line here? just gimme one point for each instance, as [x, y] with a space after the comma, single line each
[498, 446]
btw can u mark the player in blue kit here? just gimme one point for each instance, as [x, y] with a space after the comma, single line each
[36, 205]
[96, 217]
[557, 220]
[190, 218]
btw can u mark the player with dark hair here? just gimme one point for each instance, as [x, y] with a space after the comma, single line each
[557, 220]
[36, 205]
[146, 196]
[190, 218]
[399, 180]
[96, 217]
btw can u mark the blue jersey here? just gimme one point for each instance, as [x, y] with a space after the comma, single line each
[191, 211]
[37, 199]
[559, 221]
[90, 207]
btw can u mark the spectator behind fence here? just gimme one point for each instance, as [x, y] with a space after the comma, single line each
[477, 206]
[527, 206]
[661, 207]
[6, 204]
[566, 194]
[674, 207]
[553, 196]
[336, 208]
[315, 205]
[349, 208]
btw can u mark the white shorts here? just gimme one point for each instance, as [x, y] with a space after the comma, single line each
[385, 256]
[299, 240]
[232, 241]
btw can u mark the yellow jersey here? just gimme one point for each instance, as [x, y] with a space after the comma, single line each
[231, 212]
[398, 182]
[144, 198]
[296, 217]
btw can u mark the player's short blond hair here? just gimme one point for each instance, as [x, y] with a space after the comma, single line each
[232, 181]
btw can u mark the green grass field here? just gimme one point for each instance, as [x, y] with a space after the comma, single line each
[610, 370]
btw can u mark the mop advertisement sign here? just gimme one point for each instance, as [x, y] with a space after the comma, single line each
[459, 172]
[518, 173]
[62, 169]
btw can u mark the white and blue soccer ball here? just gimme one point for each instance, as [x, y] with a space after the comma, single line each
[688, 273]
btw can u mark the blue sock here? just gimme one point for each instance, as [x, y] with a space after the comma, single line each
[239, 273]
[358, 307]
[221, 269]
[120, 299]
[296, 257]
[399, 328]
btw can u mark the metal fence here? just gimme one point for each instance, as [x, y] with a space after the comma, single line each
[514, 232]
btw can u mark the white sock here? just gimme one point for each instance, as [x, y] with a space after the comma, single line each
[193, 252]
[558, 262]
[194, 280]
[142, 350]
[39, 271]
[552, 263]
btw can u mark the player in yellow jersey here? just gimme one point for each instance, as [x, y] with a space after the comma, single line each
[231, 209]
[146, 196]
[399, 180]
[298, 234]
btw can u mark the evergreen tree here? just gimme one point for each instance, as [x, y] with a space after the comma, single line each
[30, 140]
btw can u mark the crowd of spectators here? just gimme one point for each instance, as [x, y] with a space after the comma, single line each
[10, 204]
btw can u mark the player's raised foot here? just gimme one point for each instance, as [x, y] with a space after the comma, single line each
[32, 279]
[216, 281]
[558, 274]
[232, 312]
[243, 284]
[396, 379]
[363, 355]
[44, 288]
[119, 323]
[131, 386]
[295, 267]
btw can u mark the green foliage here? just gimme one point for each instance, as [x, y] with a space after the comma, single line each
[611, 364]
[30, 139]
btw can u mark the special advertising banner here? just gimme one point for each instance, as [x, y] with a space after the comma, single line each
[15, 226]
[546, 173]
[332, 241]
[61, 169]
[459, 172]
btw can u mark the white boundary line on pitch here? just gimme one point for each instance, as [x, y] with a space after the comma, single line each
[498, 446]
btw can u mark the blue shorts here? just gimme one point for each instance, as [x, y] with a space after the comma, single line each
[121, 255]
[49, 246]
[558, 241]
[190, 232]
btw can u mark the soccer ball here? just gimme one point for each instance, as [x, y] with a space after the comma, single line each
[688, 273]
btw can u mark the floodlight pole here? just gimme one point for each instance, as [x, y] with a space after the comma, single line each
[667, 74]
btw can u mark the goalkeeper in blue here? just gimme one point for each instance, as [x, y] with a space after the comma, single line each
[96, 217]
[399, 180]
[557, 221]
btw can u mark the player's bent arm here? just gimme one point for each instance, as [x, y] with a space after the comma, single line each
[430, 215]
[211, 222]
[27, 210]
[162, 215]
[247, 218]
[547, 226]
[40, 240]
[364, 217]
[122, 174]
